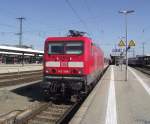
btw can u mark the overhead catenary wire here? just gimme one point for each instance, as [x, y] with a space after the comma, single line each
[7, 25]
[3, 32]
[54, 29]
[91, 13]
[41, 33]
[88, 8]
[74, 11]
[76, 14]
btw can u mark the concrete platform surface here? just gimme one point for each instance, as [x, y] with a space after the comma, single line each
[116, 101]
[10, 68]
[20, 97]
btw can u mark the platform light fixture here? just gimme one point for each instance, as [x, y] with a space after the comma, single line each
[126, 12]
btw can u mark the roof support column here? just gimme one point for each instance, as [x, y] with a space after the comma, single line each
[22, 59]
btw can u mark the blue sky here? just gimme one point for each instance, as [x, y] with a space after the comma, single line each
[100, 18]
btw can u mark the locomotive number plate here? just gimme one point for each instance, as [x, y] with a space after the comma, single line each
[64, 64]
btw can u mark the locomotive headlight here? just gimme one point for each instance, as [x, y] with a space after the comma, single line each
[77, 71]
[47, 71]
[80, 72]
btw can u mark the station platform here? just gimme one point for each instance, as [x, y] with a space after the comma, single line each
[116, 101]
[10, 68]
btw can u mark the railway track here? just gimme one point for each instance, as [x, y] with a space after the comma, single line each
[52, 114]
[19, 77]
[144, 70]
[45, 113]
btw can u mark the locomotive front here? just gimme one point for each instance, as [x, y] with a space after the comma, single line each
[63, 66]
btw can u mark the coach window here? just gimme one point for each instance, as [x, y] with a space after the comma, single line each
[56, 48]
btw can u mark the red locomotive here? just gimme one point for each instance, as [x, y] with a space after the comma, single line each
[72, 65]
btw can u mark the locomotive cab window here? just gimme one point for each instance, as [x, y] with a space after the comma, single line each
[65, 48]
[74, 48]
[56, 48]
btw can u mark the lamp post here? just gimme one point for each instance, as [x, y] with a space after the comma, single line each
[126, 12]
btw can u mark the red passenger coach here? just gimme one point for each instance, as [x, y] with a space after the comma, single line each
[72, 65]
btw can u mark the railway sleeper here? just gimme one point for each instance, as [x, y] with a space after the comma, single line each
[50, 115]
[18, 81]
[55, 110]
[47, 114]
[46, 119]
[39, 122]
[18, 75]
[60, 106]
[20, 78]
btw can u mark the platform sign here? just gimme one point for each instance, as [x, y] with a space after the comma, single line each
[116, 50]
[132, 43]
[121, 43]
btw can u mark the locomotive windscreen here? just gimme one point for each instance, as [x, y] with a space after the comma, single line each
[65, 47]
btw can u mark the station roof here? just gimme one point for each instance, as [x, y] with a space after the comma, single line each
[146, 55]
[13, 53]
[20, 50]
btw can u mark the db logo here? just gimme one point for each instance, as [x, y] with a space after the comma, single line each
[64, 64]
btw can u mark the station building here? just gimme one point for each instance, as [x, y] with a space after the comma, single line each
[16, 55]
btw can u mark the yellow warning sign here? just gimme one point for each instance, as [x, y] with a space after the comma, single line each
[132, 43]
[121, 43]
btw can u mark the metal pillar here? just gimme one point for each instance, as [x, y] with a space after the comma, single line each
[126, 12]
[22, 59]
[20, 31]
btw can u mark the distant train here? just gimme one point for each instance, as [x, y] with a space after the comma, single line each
[72, 65]
[139, 61]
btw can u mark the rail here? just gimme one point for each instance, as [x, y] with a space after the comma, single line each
[143, 69]
[19, 78]
[44, 113]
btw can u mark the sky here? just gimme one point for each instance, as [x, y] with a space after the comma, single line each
[99, 18]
